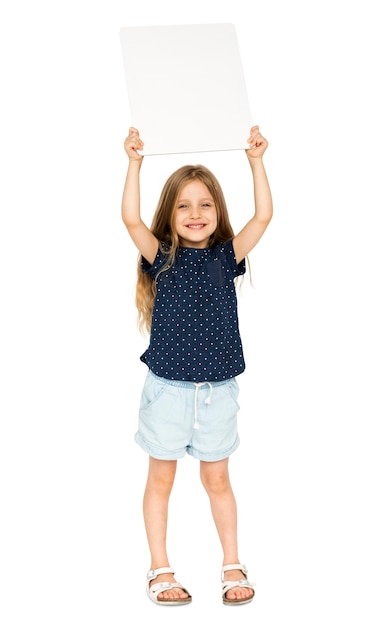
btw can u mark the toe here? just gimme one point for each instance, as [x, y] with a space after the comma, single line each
[239, 593]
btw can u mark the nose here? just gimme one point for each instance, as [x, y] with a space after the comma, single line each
[194, 212]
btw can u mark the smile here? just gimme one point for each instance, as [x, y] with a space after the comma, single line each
[195, 226]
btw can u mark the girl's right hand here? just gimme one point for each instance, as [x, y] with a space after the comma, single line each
[132, 144]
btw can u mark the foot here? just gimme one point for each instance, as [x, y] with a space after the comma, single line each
[169, 594]
[237, 593]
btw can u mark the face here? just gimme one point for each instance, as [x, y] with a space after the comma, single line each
[195, 218]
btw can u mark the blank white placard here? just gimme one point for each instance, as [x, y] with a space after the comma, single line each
[186, 87]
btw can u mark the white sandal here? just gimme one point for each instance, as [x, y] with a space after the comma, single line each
[229, 584]
[154, 590]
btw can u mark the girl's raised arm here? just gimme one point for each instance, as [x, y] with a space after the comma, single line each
[140, 234]
[251, 233]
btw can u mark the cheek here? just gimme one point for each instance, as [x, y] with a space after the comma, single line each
[176, 221]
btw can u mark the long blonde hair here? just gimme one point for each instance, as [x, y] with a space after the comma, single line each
[162, 227]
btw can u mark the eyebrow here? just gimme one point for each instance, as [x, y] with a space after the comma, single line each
[200, 199]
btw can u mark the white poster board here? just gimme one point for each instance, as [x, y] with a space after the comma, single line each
[186, 87]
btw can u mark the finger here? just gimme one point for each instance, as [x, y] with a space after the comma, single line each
[134, 140]
[255, 142]
[253, 134]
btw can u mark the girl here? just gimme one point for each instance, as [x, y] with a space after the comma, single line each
[188, 264]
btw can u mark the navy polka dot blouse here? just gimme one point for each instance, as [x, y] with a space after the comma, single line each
[195, 332]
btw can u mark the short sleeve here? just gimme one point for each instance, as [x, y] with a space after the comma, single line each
[237, 269]
[158, 263]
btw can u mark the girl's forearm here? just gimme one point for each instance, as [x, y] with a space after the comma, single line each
[262, 193]
[131, 195]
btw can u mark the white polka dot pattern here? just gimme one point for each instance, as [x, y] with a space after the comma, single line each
[195, 332]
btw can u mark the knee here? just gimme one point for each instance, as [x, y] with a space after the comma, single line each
[164, 481]
[162, 477]
[215, 482]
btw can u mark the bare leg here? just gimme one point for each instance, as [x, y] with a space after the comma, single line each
[216, 481]
[160, 480]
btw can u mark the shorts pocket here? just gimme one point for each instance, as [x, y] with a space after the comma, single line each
[153, 390]
[233, 390]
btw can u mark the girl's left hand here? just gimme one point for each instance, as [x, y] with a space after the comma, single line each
[258, 144]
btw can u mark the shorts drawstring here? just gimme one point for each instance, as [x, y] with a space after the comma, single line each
[207, 400]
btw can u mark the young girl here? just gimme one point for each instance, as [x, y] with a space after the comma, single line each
[188, 264]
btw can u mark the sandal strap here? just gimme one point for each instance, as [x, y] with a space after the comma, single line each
[154, 590]
[154, 573]
[232, 566]
[158, 588]
[230, 584]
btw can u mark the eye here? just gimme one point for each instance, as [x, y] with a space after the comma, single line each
[182, 206]
[206, 205]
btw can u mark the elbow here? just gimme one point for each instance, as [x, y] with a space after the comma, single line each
[265, 221]
[129, 221]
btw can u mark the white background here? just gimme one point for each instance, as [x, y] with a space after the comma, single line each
[309, 473]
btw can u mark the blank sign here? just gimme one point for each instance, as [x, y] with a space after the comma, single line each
[186, 87]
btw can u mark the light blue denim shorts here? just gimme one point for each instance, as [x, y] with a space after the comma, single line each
[176, 417]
